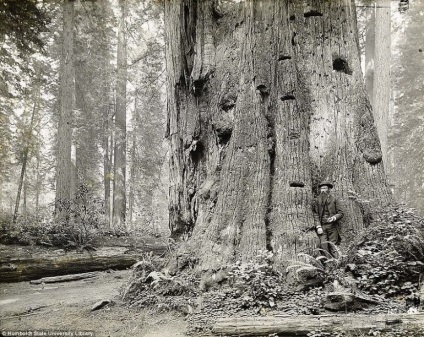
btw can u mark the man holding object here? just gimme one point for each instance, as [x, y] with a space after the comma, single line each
[327, 214]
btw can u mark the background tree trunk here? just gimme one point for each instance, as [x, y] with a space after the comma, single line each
[28, 144]
[119, 190]
[406, 141]
[369, 48]
[265, 99]
[381, 87]
[134, 164]
[67, 92]
[25, 195]
[111, 156]
[107, 165]
[38, 184]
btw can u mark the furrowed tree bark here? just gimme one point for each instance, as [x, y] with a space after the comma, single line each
[381, 87]
[369, 49]
[119, 175]
[265, 100]
[67, 92]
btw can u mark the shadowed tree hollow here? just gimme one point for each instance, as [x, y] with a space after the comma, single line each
[265, 99]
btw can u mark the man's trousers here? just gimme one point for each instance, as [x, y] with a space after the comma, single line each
[330, 234]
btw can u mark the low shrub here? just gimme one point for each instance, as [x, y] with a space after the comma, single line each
[388, 257]
[83, 219]
[28, 229]
[255, 283]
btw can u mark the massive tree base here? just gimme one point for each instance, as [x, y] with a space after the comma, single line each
[302, 325]
[265, 100]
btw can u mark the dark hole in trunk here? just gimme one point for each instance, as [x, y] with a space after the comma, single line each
[263, 90]
[198, 86]
[224, 136]
[297, 184]
[284, 57]
[342, 66]
[312, 12]
[197, 152]
[288, 97]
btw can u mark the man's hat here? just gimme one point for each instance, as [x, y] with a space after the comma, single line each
[325, 183]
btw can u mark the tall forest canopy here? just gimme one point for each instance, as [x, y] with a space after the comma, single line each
[208, 121]
[82, 104]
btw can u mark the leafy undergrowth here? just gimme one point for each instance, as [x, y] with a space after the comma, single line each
[384, 263]
[388, 257]
[82, 218]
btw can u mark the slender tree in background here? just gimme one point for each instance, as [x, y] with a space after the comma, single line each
[67, 90]
[28, 138]
[119, 173]
[107, 153]
[5, 145]
[265, 99]
[381, 85]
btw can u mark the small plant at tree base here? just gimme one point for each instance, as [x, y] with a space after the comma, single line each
[325, 268]
[256, 282]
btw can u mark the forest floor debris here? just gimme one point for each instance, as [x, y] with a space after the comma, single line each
[67, 307]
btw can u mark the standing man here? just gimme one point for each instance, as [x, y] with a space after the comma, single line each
[327, 214]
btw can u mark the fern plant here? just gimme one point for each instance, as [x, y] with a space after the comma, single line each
[323, 266]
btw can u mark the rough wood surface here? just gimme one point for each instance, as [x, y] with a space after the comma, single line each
[64, 278]
[301, 325]
[29, 263]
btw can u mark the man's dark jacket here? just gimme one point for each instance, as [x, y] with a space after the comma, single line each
[333, 209]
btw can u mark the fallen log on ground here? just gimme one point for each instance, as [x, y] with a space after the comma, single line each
[302, 325]
[29, 263]
[64, 278]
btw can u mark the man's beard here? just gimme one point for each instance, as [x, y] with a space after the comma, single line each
[325, 193]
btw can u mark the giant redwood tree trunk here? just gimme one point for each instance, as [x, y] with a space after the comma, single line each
[265, 99]
[67, 92]
[120, 158]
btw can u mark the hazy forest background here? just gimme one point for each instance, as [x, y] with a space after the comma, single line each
[83, 114]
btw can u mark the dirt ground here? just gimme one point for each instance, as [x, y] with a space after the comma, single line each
[67, 307]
